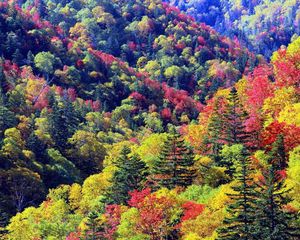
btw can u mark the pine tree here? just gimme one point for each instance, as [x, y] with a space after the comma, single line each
[234, 119]
[175, 165]
[273, 222]
[240, 223]
[131, 174]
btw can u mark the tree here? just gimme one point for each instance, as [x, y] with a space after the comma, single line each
[240, 222]
[24, 187]
[213, 139]
[63, 122]
[130, 175]
[234, 118]
[44, 61]
[158, 213]
[86, 152]
[278, 154]
[59, 170]
[12, 148]
[230, 158]
[273, 221]
[175, 165]
[7, 120]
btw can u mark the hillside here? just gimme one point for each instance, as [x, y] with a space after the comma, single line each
[131, 120]
[263, 26]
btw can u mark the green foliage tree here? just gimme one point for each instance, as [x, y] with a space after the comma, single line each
[214, 136]
[234, 120]
[130, 175]
[44, 61]
[86, 152]
[230, 158]
[273, 221]
[63, 122]
[7, 120]
[278, 153]
[59, 170]
[242, 212]
[24, 187]
[175, 165]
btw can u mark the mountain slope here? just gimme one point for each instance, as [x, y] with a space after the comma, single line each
[263, 26]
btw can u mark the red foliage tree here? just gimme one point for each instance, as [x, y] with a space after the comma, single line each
[191, 210]
[74, 236]
[138, 196]
[259, 87]
[287, 69]
[166, 114]
[113, 217]
[154, 213]
[137, 96]
[72, 94]
[290, 133]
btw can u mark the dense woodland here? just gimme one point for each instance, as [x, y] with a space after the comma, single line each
[132, 120]
[262, 25]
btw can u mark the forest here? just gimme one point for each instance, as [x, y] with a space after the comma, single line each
[149, 120]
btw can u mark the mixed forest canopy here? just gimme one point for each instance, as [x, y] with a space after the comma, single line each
[261, 25]
[134, 120]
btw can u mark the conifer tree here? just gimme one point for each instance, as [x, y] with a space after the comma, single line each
[215, 129]
[63, 122]
[273, 222]
[130, 175]
[234, 119]
[240, 223]
[93, 226]
[175, 165]
[278, 153]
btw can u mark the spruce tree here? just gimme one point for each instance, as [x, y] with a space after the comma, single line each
[214, 137]
[63, 122]
[175, 165]
[240, 223]
[93, 226]
[278, 153]
[129, 176]
[234, 120]
[273, 222]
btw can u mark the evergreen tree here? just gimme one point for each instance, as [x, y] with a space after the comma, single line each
[175, 165]
[273, 222]
[234, 119]
[7, 120]
[93, 226]
[63, 122]
[278, 153]
[240, 223]
[37, 146]
[215, 131]
[130, 175]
